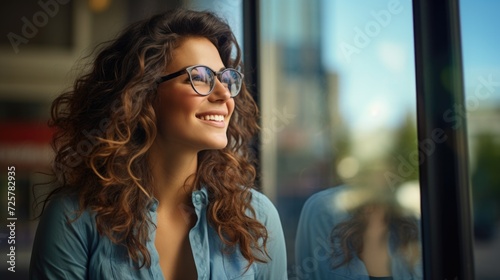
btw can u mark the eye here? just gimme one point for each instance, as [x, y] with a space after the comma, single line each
[201, 75]
[196, 78]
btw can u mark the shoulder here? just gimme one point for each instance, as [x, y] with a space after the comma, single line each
[328, 203]
[264, 209]
[260, 199]
[62, 214]
[62, 203]
[322, 211]
[66, 205]
[266, 213]
[66, 235]
[320, 214]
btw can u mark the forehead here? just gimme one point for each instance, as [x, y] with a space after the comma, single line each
[195, 50]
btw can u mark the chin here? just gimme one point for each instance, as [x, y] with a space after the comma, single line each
[220, 146]
[215, 145]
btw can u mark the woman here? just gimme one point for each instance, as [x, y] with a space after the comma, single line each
[358, 234]
[153, 166]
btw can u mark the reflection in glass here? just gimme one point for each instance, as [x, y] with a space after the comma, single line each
[338, 108]
[480, 40]
[358, 233]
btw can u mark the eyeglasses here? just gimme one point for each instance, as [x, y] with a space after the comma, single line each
[203, 79]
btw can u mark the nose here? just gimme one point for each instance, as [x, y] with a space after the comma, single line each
[219, 93]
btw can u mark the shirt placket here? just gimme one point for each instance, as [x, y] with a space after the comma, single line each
[198, 236]
[155, 269]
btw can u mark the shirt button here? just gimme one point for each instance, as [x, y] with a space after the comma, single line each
[197, 198]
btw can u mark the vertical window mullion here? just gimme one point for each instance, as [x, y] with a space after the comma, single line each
[445, 188]
[251, 65]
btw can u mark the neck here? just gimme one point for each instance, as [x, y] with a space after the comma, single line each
[173, 174]
[376, 227]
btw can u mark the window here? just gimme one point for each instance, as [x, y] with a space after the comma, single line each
[339, 107]
[482, 109]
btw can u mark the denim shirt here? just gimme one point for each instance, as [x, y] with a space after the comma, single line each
[75, 250]
[313, 250]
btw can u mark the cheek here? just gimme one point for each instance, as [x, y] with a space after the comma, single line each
[231, 106]
[178, 106]
[168, 112]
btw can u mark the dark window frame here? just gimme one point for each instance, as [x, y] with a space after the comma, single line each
[251, 44]
[444, 178]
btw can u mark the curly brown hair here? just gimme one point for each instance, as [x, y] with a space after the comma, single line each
[346, 238]
[105, 126]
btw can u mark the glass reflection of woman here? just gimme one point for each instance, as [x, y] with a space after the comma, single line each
[346, 233]
[153, 166]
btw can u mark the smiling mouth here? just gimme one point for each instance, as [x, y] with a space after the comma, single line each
[214, 118]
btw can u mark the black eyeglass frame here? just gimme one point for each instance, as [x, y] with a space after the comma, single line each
[188, 69]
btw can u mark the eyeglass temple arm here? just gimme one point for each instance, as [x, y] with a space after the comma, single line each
[170, 76]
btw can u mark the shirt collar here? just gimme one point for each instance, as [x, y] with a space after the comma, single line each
[198, 197]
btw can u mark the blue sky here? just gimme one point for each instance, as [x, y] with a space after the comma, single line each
[481, 44]
[370, 45]
[377, 71]
[480, 33]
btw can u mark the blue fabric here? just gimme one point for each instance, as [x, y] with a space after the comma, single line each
[75, 250]
[313, 252]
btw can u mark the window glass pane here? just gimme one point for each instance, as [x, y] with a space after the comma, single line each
[339, 130]
[480, 40]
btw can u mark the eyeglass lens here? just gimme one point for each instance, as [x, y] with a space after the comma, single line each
[203, 80]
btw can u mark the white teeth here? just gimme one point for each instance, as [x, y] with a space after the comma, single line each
[217, 118]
